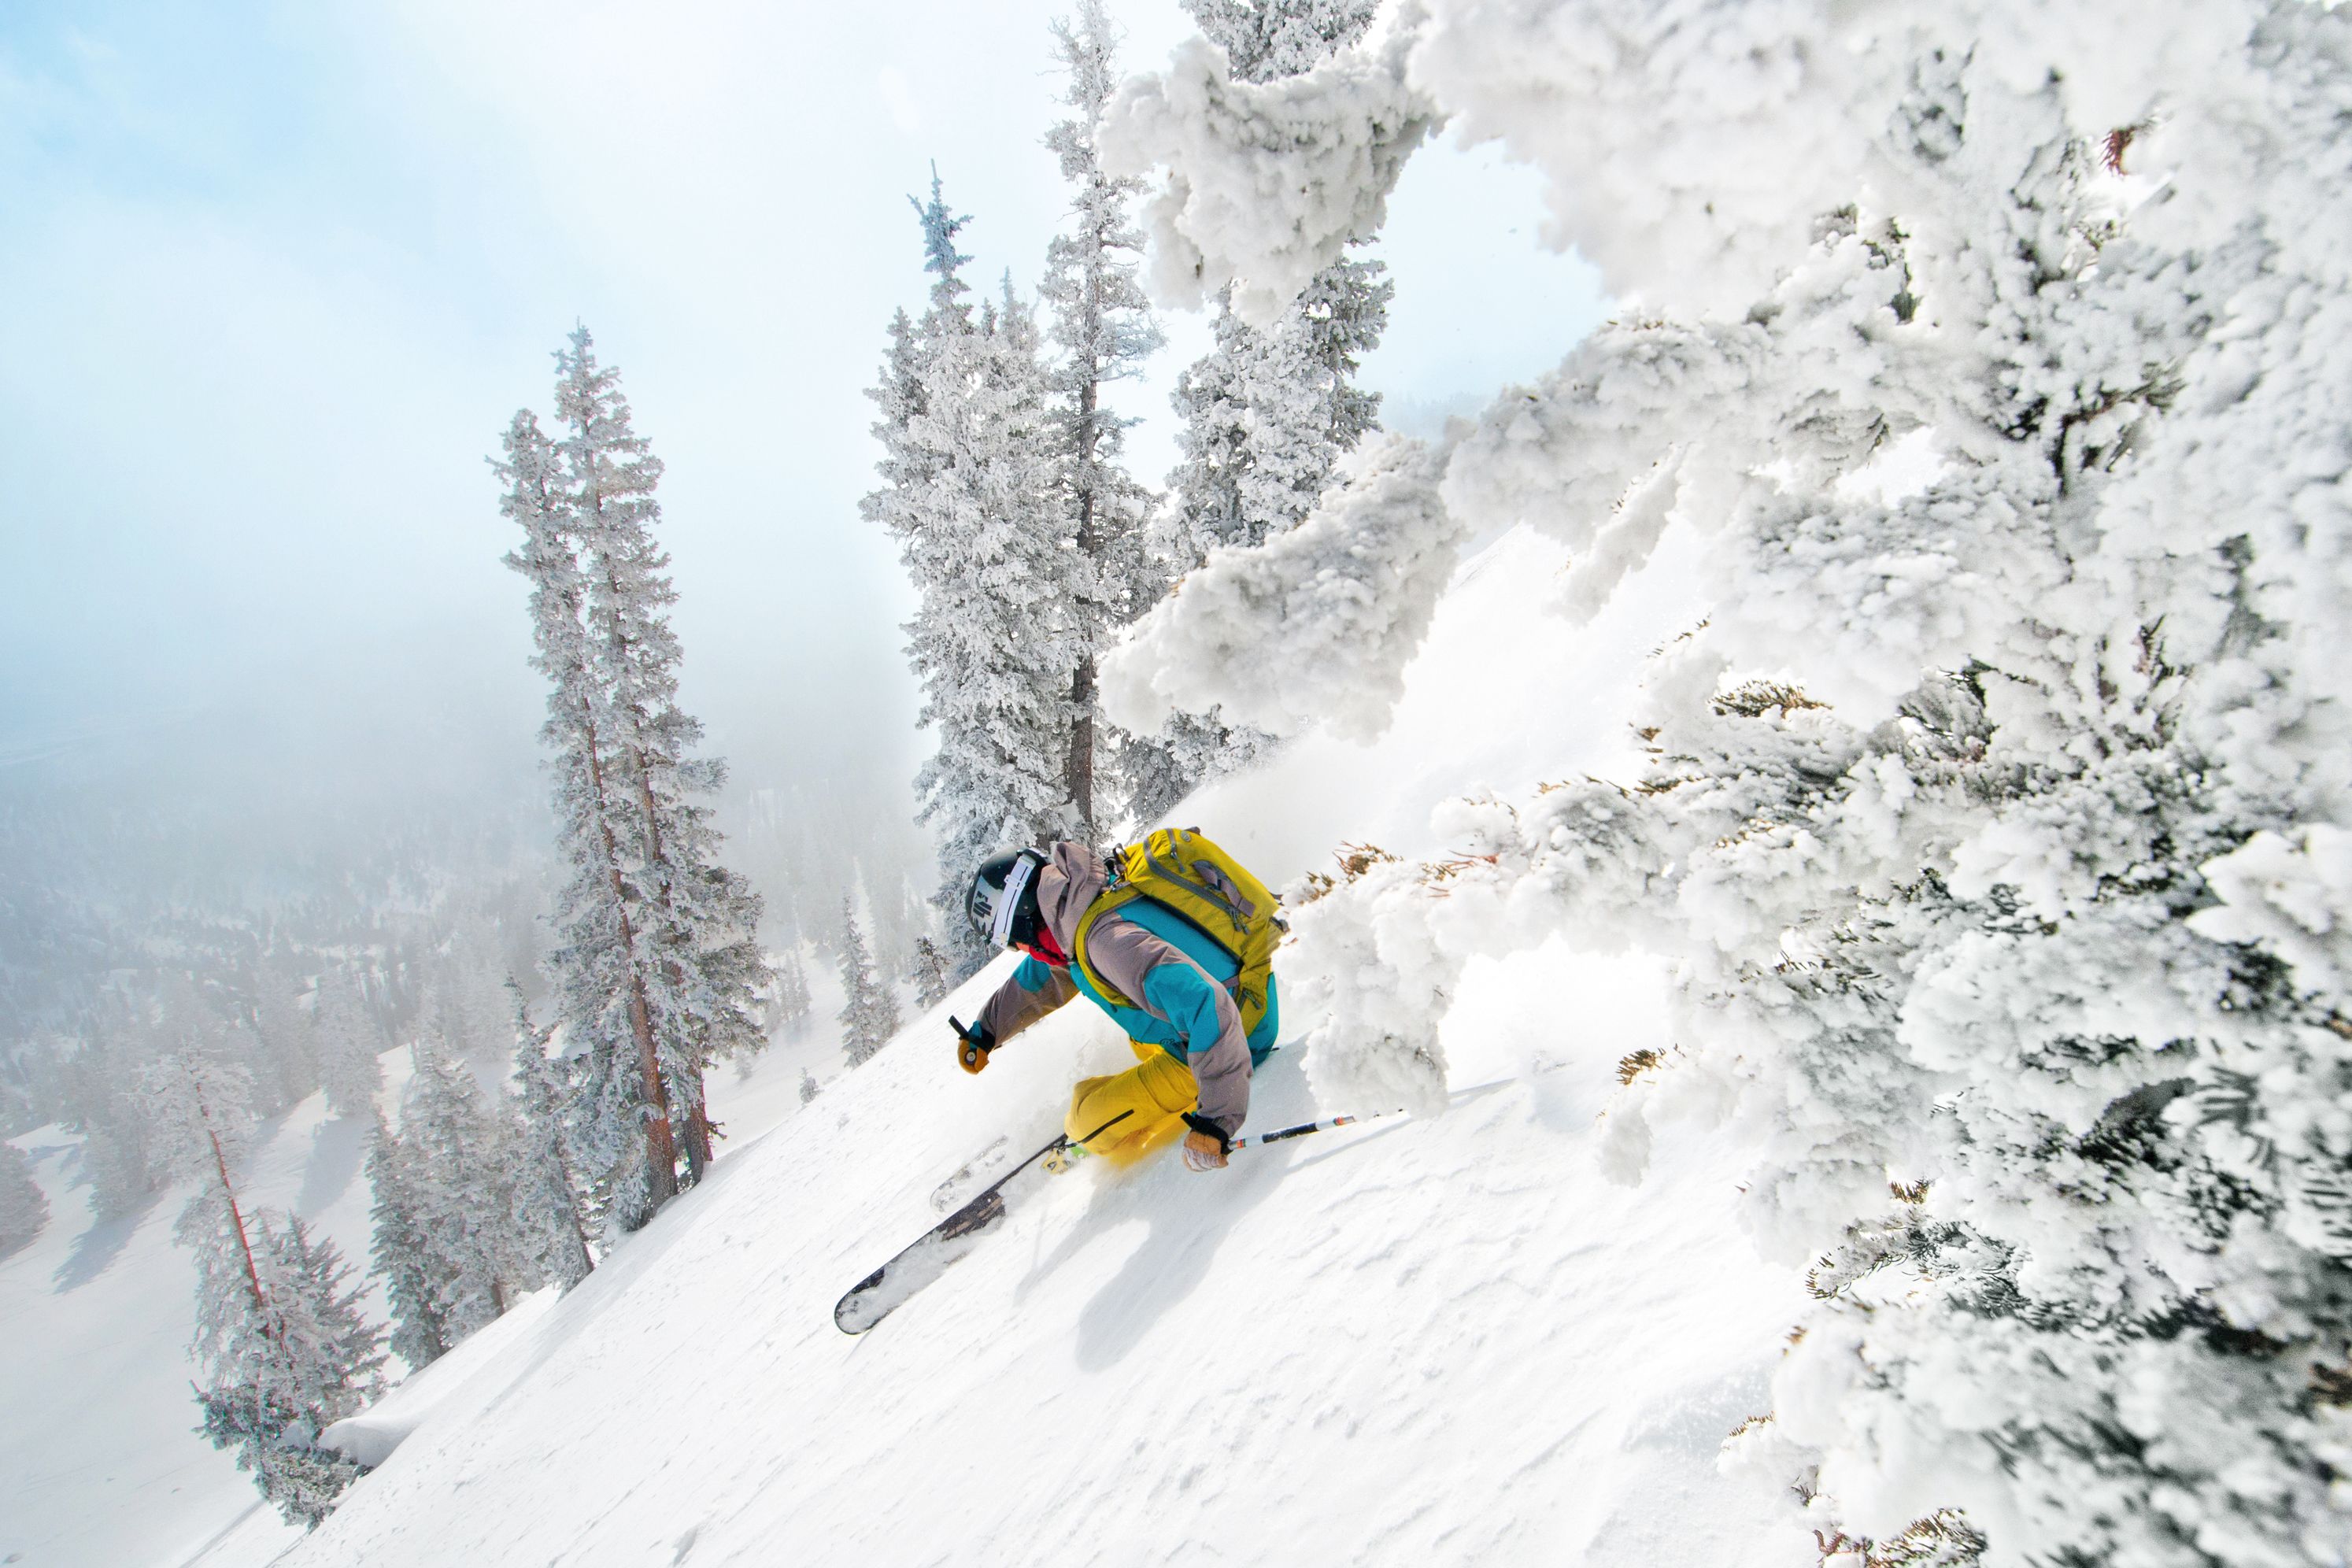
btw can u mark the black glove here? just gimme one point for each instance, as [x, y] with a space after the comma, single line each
[973, 1041]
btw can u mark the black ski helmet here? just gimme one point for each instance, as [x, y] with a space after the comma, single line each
[1002, 918]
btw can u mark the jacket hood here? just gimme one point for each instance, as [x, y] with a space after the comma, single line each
[1069, 881]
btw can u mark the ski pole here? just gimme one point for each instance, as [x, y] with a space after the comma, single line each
[1304, 1128]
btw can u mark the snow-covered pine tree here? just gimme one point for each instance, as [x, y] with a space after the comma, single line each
[204, 1121]
[284, 1359]
[1265, 415]
[789, 998]
[1996, 828]
[462, 1003]
[397, 980]
[549, 1220]
[102, 1103]
[619, 1117]
[808, 1086]
[420, 1334]
[1102, 324]
[931, 973]
[284, 1349]
[869, 1013]
[970, 494]
[191, 1018]
[702, 919]
[286, 1042]
[24, 1208]
[1267, 39]
[464, 1201]
[350, 1045]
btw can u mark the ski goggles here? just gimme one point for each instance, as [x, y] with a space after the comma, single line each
[1017, 878]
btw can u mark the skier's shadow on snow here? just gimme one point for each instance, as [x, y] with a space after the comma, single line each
[1187, 1226]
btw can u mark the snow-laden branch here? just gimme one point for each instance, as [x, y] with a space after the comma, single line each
[1692, 147]
[1994, 820]
[1267, 181]
[1315, 626]
[2294, 897]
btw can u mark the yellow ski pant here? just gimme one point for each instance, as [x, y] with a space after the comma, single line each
[1156, 1093]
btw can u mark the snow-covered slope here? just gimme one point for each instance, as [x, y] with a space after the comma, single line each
[101, 1464]
[1445, 1340]
[100, 1461]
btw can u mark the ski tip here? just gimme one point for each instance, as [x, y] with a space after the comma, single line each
[854, 1313]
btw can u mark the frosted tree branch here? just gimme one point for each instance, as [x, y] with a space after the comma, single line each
[1266, 182]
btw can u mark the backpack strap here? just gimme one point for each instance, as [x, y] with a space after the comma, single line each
[1165, 860]
[1118, 890]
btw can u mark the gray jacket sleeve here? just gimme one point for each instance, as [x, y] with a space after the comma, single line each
[1170, 986]
[1014, 1007]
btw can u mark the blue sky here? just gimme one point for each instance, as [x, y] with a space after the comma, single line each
[278, 274]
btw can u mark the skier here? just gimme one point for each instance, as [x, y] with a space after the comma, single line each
[1180, 994]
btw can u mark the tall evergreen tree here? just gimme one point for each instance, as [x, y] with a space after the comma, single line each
[1265, 415]
[789, 997]
[203, 1122]
[1102, 324]
[281, 1340]
[350, 1045]
[283, 1361]
[701, 918]
[420, 1329]
[103, 1104]
[620, 1120]
[931, 980]
[458, 1182]
[970, 493]
[869, 1013]
[549, 1220]
[464, 1003]
[286, 1043]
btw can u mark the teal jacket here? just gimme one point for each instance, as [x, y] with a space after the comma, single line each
[1186, 1004]
[1179, 980]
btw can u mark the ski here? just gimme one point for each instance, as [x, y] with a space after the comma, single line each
[890, 1287]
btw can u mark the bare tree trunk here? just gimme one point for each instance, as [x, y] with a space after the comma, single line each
[1082, 743]
[697, 1117]
[697, 1120]
[236, 1219]
[1079, 775]
[698, 1133]
[661, 1147]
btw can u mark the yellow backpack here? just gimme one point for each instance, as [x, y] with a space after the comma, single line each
[1180, 869]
